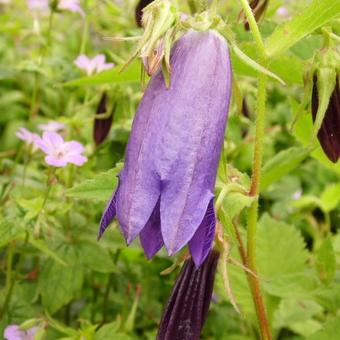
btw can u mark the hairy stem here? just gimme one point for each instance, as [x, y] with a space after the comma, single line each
[256, 177]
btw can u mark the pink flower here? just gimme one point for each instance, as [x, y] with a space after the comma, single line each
[52, 126]
[94, 65]
[37, 5]
[29, 137]
[60, 153]
[13, 332]
[71, 5]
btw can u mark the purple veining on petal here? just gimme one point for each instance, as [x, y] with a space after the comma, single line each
[201, 242]
[175, 144]
[188, 305]
[151, 236]
[108, 215]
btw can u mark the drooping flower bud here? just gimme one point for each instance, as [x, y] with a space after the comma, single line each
[102, 125]
[139, 11]
[166, 188]
[259, 8]
[326, 101]
[189, 302]
[329, 132]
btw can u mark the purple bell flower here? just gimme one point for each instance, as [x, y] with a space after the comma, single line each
[166, 188]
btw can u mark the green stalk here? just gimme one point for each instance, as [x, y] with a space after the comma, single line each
[256, 177]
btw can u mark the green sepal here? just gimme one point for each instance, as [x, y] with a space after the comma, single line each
[326, 79]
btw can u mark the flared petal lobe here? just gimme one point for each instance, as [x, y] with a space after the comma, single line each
[174, 147]
[188, 305]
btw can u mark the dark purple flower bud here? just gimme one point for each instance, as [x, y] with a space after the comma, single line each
[259, 8]
[329, 133]
[102, 126]
[166, 188]
[188, 305]
[139, 11]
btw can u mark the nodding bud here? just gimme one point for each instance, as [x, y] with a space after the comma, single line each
[139, 11]
[102, 125]
[329, 132]
[245, 108]
[259, 8]
[188, 305]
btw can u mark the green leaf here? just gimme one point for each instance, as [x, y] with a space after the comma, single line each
[95, 257]
[330, 331]
[58, 284]
[288, 67]
[9, 232]
[275, 259]
[330, 198]
[99, 188]
[44, 248]
[319, 13]
[297, 316]
[325, 261]
[235, 202]
[113, 76]
[281, 164]
[282, 268]
[254, 65]
[32, 206]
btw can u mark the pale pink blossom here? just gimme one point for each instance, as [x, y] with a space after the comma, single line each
[52, 126]
[71, 5]
[13, 332]
[29, 137]
[58, 152]
[37, 5]
[94, 65]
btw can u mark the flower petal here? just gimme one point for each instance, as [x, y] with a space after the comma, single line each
[201, 242]
[191, 135]
[82, 62]
[109, 214]
[54, 161]
[151, 236]
[50, 142]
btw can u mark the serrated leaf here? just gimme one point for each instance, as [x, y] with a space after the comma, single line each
[281, 266]
[113, 76]
[58, 284]
[95, 257]
[99, 188]
[330, 198]
[319, 13]
[282, 163]
[330, 331]
[325, 261]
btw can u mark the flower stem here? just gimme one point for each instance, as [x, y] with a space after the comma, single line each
[256, 177]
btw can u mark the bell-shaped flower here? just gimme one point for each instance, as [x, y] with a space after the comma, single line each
[166, 188]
